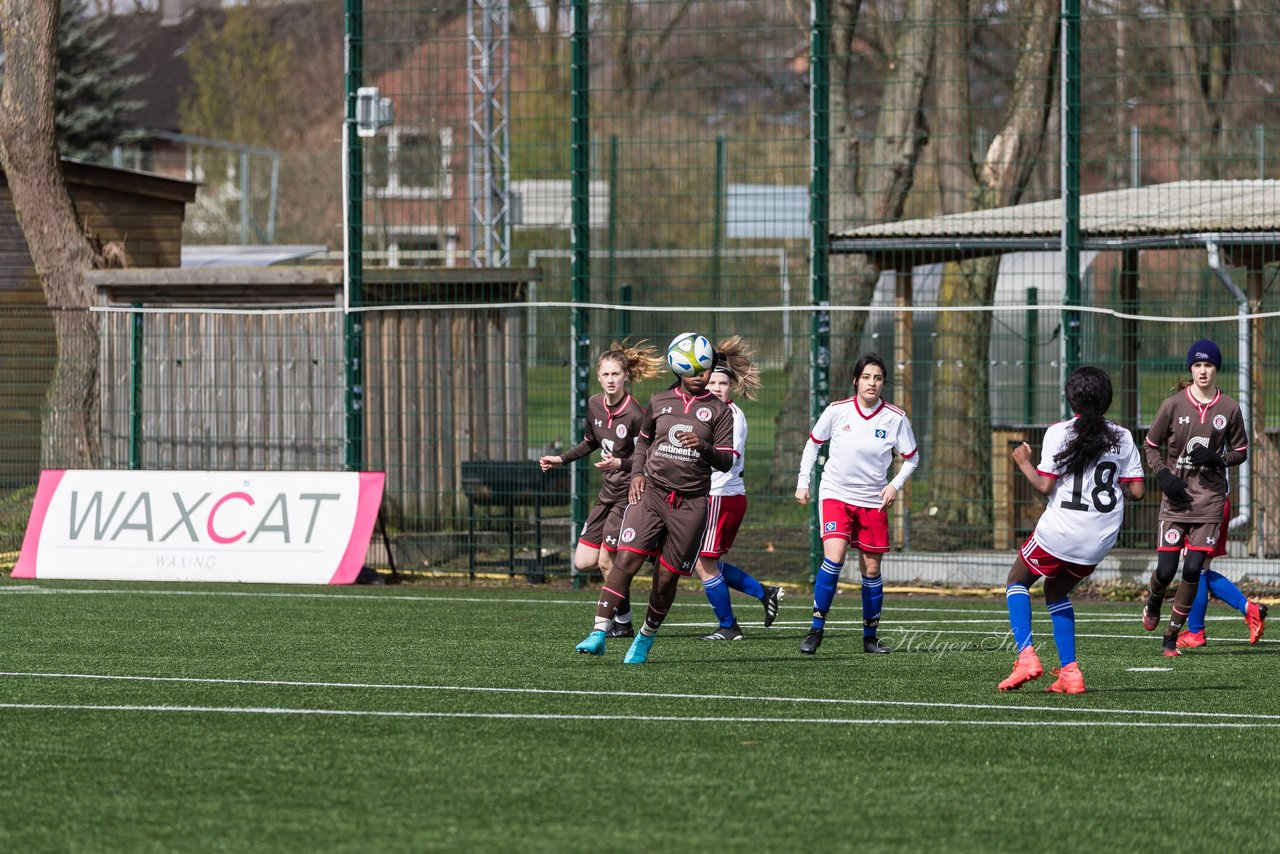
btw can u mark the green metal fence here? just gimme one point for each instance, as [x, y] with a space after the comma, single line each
[530, 182]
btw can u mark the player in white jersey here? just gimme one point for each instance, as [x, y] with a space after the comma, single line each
[864, 431]
[732, 374]
[1087, 466]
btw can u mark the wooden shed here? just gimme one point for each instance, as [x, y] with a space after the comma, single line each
[257, 387]
[143, 212]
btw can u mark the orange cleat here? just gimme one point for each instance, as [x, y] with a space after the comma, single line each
[1255, 617]
[1025, 668]
[1070, 680]
[1191, 640]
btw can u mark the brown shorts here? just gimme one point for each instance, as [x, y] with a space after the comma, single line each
[600, 531]
[1194, 536]
[667, 525]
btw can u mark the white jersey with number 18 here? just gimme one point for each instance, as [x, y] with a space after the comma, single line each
[1082, 519]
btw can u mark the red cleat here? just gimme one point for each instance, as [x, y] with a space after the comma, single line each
[1170, 646]
[1255, 617]
[1070, 680]
[1191, 640]
[1025, 668]
[1150, 616]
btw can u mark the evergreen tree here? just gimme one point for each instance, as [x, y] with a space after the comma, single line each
[92, 113]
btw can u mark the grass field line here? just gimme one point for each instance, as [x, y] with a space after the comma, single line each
[483, 600]
[643, 695]
[889, 630]
[689, 719]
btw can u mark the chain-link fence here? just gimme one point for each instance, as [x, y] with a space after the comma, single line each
[823, 179]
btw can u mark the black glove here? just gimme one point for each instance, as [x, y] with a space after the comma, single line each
[1206, 459]
[1173, 486]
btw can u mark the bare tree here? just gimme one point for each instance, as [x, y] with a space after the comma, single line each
[960, 425]
[861, 197]
[59, 246]
[1202, 58]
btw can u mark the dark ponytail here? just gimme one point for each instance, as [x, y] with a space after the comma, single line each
[1089, 394]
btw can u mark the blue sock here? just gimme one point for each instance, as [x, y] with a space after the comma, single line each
[740, 581]
[872, 601]
[824, 591]
[1064, 629]
[1199, 605]
[718, 595]
[1221, 586]
[1018, 600]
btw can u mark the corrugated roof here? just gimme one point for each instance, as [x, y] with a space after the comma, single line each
[245, 256]
[1179, 213]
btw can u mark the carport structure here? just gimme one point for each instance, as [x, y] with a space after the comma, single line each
[1236, 223]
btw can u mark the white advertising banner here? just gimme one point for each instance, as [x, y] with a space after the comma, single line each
[278, 527]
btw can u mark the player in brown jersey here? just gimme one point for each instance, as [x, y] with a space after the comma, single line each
[1196, 435]
[687, 433]
[613, 423]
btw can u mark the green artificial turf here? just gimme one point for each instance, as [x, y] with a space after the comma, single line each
[414, 718]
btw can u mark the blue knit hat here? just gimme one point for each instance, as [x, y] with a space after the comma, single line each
[1204, 350]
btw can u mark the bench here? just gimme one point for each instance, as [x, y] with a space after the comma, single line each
[510, 484]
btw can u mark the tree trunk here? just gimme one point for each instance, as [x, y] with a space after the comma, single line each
[899, 138]
[58, 244]
[952, 149]
[1201, 59]
[960, 431]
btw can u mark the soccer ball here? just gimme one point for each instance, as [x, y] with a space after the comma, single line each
[689, 354]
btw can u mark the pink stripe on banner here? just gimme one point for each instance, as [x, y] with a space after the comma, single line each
[26, 567]
[371, 485]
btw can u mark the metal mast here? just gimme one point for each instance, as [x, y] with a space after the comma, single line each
[488, 99]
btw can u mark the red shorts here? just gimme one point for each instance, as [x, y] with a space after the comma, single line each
[866, 528]
[1045, 565]
[724, 518]
[1220, 547]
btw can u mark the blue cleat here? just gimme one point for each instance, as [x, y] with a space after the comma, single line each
[639, 652]
[592, 645]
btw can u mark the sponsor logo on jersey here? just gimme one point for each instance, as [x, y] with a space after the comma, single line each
[1219, 422]
[628, 534]
[621, 430]
[846, 428]
[1211, 541]
[703, 414]
[598, 422]
[880, 434]
[1184, 459]
[673, 435]
[1184, 419]
[606, 445]
[611, 540]
[666, 410]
